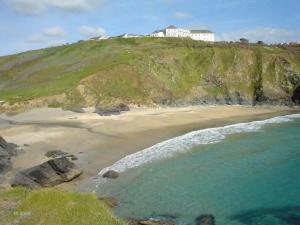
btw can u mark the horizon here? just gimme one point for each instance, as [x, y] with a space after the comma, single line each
[35, 24]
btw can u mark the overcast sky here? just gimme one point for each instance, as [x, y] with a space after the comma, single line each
[32, 24]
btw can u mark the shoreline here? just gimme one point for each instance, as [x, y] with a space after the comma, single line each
[98, 142]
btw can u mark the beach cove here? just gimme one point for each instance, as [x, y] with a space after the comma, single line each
[98, 141]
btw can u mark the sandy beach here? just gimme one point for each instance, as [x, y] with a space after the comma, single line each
[100, 141]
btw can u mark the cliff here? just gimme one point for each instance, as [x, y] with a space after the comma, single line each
[151, 71]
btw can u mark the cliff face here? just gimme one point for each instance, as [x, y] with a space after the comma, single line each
[153, 71]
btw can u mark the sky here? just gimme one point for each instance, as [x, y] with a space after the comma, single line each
[34, 24]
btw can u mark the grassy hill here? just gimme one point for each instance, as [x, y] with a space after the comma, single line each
[151, 71]
[51, 207]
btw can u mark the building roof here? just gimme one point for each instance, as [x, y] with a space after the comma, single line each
[201, 31]
[171, 27]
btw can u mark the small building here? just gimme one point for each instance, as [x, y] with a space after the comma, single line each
[202, 35]
[173, 31]
[158, 33]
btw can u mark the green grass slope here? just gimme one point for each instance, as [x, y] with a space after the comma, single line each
[151, 71]
[52, 207]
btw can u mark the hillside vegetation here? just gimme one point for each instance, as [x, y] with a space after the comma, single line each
[51, 207]
[151, 71]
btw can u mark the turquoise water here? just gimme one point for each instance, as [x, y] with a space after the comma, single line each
[250, 178]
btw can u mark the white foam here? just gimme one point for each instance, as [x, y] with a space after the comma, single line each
[168, 148]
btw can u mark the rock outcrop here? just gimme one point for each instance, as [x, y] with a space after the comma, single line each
[111, 174]
[111, 110]
[75, 109]
[7, 150]
[205, 220]
[296, 96]
[59, 153]
[48, 174]
[56, 153]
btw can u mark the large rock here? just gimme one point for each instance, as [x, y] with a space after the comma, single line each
[25, 181]
[7, 150]
[111, 174]
[10, 148]
[205, 220]
[5, 163]
[48, 174]
[59, 153]
[56, 153]
[111, 110]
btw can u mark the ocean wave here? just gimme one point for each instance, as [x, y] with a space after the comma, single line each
[169, 148]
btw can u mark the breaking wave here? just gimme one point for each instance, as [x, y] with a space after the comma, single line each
[169, 148]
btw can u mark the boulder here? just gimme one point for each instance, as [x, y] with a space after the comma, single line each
[59, 153]
[111, 174]
[205, 220]
[111, 110]
[48, 174]
[7, 150]
[5, 163]
[24, 181]
[10, 148]
[55, 153]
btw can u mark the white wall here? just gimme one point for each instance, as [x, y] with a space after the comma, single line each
[177, 32]
[203, 36]
[157, 34]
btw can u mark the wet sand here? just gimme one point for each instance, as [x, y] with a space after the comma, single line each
[100, 141]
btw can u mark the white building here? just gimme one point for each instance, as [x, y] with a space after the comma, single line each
[172, 31]
[158, 33]
[202, 35]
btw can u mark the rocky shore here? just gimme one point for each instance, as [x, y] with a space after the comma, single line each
[48, 174]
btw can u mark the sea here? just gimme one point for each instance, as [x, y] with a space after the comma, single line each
[241, 174]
